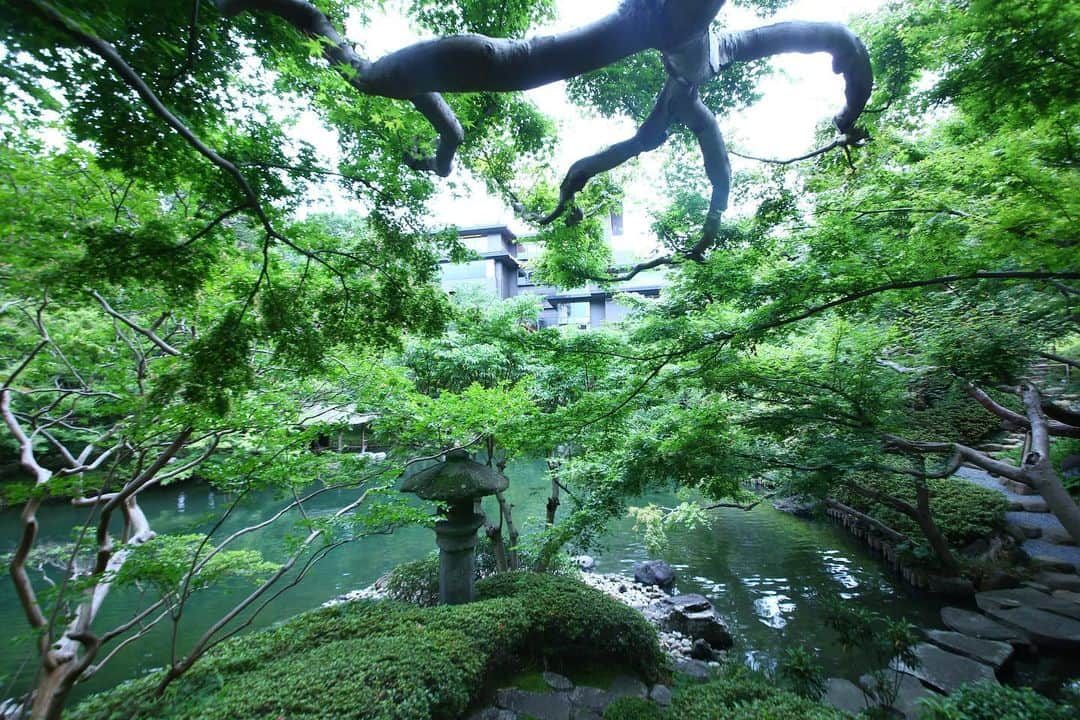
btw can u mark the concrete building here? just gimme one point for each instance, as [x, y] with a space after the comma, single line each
[503, 270]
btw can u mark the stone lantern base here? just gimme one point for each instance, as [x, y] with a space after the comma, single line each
[456, 538]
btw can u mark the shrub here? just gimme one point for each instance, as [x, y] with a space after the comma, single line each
[739, 693]
[963, 512]
[632, 708]
[988, 701]
[415, 582]
[390, 660]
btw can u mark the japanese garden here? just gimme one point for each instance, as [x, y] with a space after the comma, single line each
[539, 359]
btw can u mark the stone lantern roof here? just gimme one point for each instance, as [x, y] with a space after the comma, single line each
[457, 480]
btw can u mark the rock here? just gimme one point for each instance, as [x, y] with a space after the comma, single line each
[945, 671]
[1067, 596]
[978, 548]
[695, 669]
[1034, 586]
[980, 626]
[1026, 597]
[1045, 628]
[584, 562]
[661, 695]
[542, 706]
[702, 625]
[590, 698]
[798, 507]
[493, 713]
[909, 691]
[702, 650]
[951, 587]
[1059, 581]
[990, 652]
[626, 686]
[654, 572]
[999, 580]
[844, 695]
[688, 602]
[557, 682]
[584, 714]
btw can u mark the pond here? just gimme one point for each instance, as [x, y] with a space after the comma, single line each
[764, 570]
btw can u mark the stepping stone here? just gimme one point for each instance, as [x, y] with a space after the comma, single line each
[1036, 524]
[945, 671]
[909, 691]
[1060, 581]
[1057, 558]
[1045, 628]
[542, 706]
[626, 686]
[991, 652]
[1067, 596]
[583, 714]
[1025, 597]
[1029, 503]
[979, 626]
[557, 682]
[844, 695]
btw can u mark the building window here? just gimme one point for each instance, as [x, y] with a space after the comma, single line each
[575, 314]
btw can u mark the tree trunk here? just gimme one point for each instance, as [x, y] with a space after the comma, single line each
[513, 560]
[929, 528]
[51, 692]
[553, 500]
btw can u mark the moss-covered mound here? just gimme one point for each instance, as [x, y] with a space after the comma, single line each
[377, 660]
[964, 512]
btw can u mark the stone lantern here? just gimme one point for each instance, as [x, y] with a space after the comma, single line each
[458, 483]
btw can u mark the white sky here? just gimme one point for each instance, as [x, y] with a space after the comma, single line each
[802, 93]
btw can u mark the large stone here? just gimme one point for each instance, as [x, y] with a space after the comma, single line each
[1060, 581]
[688, 602]
[991, 652]
[1045, 628]
[702, 650]
[493, 713]
[626, 686]
[1026, 597]
[590, 698]
[701, 625]
[557, 682]
[980, 626]
[1067, 596]
[799, 507]
[661, 695]
[944, 671]
[951, 587]
[542, 706]
[907, 688]
[654, 572]
[693, 668]
[844, 695]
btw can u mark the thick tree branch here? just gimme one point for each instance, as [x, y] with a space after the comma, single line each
[850, 58]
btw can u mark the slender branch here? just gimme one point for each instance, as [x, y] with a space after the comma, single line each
[145, 332]
[1061, 359]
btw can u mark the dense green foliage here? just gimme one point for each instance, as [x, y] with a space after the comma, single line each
[390, 660]
[990, 701]
[743, 694]
[964, 512]
[632, 708]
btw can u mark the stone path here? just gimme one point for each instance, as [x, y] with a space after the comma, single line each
[945, 671]
[565, 701]
[1046, 544]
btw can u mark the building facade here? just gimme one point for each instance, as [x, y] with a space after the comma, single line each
[502, 269]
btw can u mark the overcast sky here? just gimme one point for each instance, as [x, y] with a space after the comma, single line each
[801, 94]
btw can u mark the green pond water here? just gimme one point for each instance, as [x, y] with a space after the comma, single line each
[764, 570]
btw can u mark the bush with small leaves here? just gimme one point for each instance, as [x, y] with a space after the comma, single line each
[632, 708]
[389, 660]
[986, 701]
